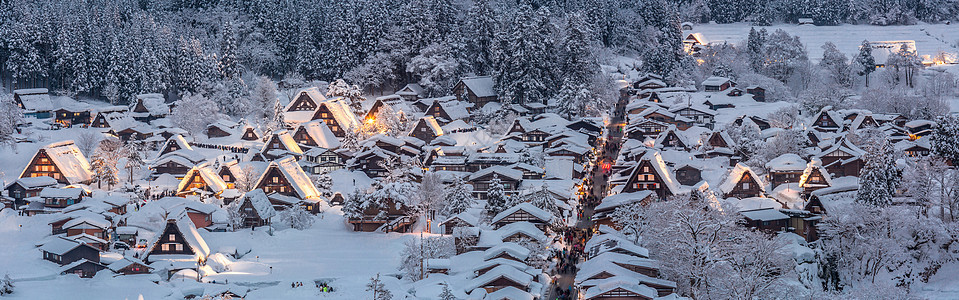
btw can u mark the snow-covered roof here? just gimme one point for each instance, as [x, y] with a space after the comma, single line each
[525, 228]
[340, 109]
[765, 214]
[659, 166]
[286, 139]
[59, 245]
[513, 249]
[301, 183]
[584, 275]
[617, 200]
[715, 81]
[501, 271]
[482, 86]
[788, 162]
[507, 172]
[213, 181]
[154, 103]
[735, 175]
[814, 164]
[509, 293]
[623, 283]
[125, 262]
[312, 92]
[87, 223]
[69, 160]
[34, 99]
[35, 182]
[260, 203]
[321, 134]
[614, 242]
[537, 212]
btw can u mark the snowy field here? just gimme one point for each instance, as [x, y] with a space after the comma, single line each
[328, 251]
[930, 38]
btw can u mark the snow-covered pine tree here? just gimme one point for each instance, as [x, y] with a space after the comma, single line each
[10, 117]
[6, 285]
[496, 197]
[542, 198]
[754, 46]
[459, 197]
[864, 61]
[354, 204]
[297, 217]
[879, 178]
[229, 66]
[835, 63]
[323, 183]
[437, 66]
[944, 140]
[527, 62]
[481, 27]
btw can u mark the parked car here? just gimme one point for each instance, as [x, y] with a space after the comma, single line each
[142, 243]
[121, 245]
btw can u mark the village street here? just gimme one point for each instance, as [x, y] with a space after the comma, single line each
[607, 152]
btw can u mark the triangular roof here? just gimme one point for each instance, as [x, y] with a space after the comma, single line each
[481, 86]
[655, 159]
[184, 228]
[815, 165]
[69, 160]
[311, 94]
[301, 183]
[261, 203]
[536, 212]
[321, 134]
[736, 175]
[286, 141]
[209, 176]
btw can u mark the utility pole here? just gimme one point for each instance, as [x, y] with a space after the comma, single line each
[422, 257]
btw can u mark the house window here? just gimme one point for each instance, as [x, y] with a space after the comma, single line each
[179, 247]
[276, 179]
[165, 247]
[745, 185]
[171, 237]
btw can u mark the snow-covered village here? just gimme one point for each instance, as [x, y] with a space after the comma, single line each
[479, 149]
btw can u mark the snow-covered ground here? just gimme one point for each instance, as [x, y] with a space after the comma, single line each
[329, 251]
[930, 38]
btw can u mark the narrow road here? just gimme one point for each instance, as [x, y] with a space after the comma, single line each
[608, 152]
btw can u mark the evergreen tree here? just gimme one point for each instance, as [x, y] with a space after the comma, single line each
[10, 116]
[229, 67]
[944, 140]
[879, 178]
[459, 197]
[544, 200]
[865, 63]
[496, 200]
[835, 63]
[6, 286]
[526, 65]
[754, 47]
[134, 156]
[577, 61]
[481, 28]
[782, 54]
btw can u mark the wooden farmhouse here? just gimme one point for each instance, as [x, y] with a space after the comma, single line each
[180, 244]
[306, 100]
[316, 134]
[62, 161]
[285, 176]
[651, 173]
[741, 183]
[523, 212]
[337, 115]
[201, 179]
[478, 90]
[28, 187]
[256, 209]
[481, 180]
[426, 129]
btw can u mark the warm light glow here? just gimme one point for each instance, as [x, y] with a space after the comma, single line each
[370, 120]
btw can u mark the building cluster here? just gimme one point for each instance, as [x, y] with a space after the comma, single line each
[678, 142]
